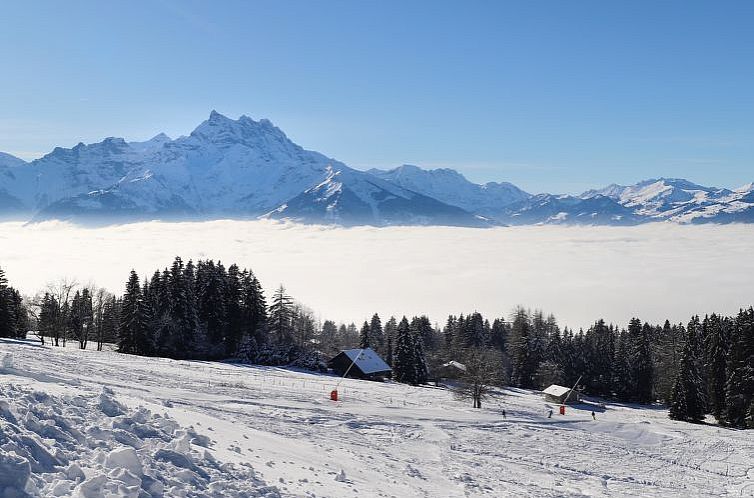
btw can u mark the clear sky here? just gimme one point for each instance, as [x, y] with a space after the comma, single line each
[554, 96]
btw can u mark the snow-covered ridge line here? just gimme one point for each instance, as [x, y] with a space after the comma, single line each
[247, 169]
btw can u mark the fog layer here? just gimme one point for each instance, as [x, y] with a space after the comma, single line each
[580, 274]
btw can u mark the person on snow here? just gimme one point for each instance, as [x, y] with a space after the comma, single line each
[504, 417]
[594, 417]
[549, 415]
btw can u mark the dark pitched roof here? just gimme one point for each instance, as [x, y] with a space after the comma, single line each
[367, 360]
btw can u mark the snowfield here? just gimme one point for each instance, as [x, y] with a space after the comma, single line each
[91, 424]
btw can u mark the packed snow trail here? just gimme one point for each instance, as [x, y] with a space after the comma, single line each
[250, 428]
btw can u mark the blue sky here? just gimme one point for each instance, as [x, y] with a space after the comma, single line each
[551, 95]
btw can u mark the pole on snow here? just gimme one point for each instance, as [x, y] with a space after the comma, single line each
[562, 407]
[334, 392]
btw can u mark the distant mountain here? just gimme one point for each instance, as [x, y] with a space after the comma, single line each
[10, 205]
[681, 201]
[247, 169]
[349, 197]
[570, 210]
[451, 187]
[7, 160]
[224, 169]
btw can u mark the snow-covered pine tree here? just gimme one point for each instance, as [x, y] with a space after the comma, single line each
[538, 342]
[183, 318]
[328, 338]
[281, 314]
[404, 369]
[677, 406]
[498, 335]
[212, 313]
[45, 320]
[7, 318]
[21, 313]
[376, 335]
[253, 308]
[130, 316]
[623, 383]
[600, 358]
[421, 375]
[640, 338]
[567, 360]
[739, 388]
[716, 349]
[687, 400]
[696, 334]
[162, 304]
[474, 333]
[110, 321]
[666, 353]
[233, 310]
[390, 332]
[364, 336]
[145, 328]
[518, 349]
[449, 333]
[190, 322]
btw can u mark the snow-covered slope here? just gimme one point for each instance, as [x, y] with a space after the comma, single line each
[8, 160]
[88, 423]
[451, 187]
[350, 197]
[10, 204]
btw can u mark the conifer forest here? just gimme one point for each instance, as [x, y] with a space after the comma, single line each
[206, 311]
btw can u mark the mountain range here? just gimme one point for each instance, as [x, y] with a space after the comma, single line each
[246, 169]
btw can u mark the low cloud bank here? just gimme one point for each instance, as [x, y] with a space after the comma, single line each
[580, 274]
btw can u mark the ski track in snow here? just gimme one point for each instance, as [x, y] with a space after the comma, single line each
[271, 431]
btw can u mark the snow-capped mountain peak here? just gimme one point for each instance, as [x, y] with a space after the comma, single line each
[225, 132]
[244, 168]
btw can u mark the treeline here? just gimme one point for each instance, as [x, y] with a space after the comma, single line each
[706, 367]
[14, 320]
[197, 311]
[207, 311]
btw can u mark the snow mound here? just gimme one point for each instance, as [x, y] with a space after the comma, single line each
[93, 446]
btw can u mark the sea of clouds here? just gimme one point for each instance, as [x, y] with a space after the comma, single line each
[654, 271]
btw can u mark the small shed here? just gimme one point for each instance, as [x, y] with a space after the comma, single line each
[367, 364]
[451, 370]
[559, 394]
[454, 364]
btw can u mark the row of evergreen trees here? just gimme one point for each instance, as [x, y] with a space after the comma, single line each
[200, 310]
[14, 320]
[206, 311]
[716, 371]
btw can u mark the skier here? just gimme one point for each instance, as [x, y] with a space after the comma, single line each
[594, 417]
[504, 417]
[549, 415]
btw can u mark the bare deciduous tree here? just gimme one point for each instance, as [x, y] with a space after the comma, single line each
[484, 370]
[61, 291]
